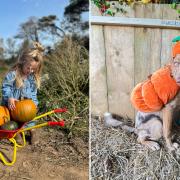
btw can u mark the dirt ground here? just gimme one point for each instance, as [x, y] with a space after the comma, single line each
[55, 157]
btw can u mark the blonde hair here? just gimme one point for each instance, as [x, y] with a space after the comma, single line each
[34, 54]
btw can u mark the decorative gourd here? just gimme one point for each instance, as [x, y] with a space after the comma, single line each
[4, 115]
[25, 111]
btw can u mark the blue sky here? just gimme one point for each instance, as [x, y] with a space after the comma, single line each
[15, 12]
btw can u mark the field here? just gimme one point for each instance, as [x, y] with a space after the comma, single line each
[62, 153]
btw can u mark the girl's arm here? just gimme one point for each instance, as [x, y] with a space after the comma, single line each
[34, 96]
[7, 86]
[34, 92]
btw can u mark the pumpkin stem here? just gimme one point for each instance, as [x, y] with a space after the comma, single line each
[21, 98]
[5, 119]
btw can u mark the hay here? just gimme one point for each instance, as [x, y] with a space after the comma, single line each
[115, 154]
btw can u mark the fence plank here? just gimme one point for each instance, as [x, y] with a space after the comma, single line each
[142, 48]
[98, 86]
[130, 54]
[147, 45]
[156, 38]
[120, 68]
[132, 22]
[167, 36]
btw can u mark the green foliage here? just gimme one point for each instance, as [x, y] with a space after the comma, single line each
[3, 70]
[107, 7]
[76, 7]
[174, 6]
[68, 86]
[104, 7]
[74, 23]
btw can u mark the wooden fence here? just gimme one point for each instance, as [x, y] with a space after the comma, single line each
[123, 53]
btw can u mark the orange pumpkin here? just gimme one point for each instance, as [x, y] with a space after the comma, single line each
[25, 111]
[4, 115]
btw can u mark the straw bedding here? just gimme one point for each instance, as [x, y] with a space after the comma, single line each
[115, 154]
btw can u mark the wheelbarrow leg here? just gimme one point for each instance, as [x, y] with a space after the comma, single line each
[18, 138]
[23, 138]
[3, 159]
[14, 154]
[35, 135]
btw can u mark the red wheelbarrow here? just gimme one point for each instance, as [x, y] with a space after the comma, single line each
[11, 134]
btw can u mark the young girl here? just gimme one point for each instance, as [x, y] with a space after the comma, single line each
[23, 80]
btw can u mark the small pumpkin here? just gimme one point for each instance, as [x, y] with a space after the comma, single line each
[10, 125]
[25, 111]
[4, 115]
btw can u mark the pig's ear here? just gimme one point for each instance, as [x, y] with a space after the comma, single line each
[171, 60]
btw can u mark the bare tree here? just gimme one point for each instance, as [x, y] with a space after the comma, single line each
[73, 16]
[11, 50]
[1, 48]
[47, 23]
[35, 29]
[29, 30]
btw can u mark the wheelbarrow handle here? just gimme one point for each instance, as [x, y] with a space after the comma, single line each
[50, 123]
[59, 110]
[60, 123]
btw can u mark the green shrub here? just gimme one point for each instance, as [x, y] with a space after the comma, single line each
[67, 86]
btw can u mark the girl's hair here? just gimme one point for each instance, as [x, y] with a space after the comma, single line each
[34, 54]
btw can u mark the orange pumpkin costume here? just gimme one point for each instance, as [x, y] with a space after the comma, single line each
[152, 94]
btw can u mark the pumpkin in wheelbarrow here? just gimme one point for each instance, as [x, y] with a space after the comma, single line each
[10, 125]
[4, 115]
[25, 111]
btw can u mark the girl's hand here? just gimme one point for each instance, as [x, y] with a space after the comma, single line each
[11, 103]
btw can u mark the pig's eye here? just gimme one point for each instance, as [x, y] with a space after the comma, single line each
[176, 64]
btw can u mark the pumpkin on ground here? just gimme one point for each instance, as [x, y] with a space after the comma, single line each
[4, 115]
[25, 111]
